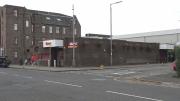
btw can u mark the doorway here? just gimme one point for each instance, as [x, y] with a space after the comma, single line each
[56, 54]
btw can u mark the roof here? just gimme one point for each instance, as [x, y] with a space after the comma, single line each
[154, 33]
[41, 12]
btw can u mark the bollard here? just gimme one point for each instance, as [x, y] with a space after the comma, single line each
[54, 63]
[48, 63]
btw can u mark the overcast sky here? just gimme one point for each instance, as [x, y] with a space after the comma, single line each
[130, 16]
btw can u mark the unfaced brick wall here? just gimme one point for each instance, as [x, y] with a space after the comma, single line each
[96, 52]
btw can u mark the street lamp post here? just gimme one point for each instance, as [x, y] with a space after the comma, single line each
[73, 59]
[111, 29]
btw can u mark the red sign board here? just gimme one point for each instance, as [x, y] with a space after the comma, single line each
[73, 45]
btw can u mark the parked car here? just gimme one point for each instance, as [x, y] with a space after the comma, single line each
[4, 62]
[173, 66]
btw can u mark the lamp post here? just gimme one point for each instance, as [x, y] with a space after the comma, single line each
[111, 29]
[73, 59]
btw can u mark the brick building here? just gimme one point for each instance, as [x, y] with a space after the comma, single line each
[47, 36]
[23, 31]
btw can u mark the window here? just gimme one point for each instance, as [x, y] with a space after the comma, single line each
[15, 54]
[59, 19]
[15, 26]
[32, 28]
[36, 49]
[16, 41]
[64, 30]
[32, 42]
[27, 37]
[27, 50]
[27, 23]
[48, 18]
[50, 29]
[15, 12]
[43, 29]
[57, 29]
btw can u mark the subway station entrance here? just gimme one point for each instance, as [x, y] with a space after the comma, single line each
[56, 55]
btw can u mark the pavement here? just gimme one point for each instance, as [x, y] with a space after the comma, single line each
[64, 69]
[168, 77]
[57, 69]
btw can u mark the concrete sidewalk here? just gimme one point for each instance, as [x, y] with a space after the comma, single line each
[54, 69]
[62, 69]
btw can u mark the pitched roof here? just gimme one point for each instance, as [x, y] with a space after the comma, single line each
[154, 33]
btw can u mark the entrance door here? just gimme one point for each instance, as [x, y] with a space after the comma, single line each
[54, 52]
[57, 54]
[166, 55]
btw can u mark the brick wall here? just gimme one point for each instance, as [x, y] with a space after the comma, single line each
[94, 52]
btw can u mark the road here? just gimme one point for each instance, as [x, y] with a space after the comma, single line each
[96, 85]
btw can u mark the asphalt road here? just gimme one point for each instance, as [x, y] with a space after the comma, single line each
[32, 85]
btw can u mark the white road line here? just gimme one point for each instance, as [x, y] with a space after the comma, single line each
[62, 83]
[134, 96]
[123, 73]
[3, 73]
[99, 79]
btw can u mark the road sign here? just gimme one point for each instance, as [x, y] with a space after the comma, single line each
[73, 45]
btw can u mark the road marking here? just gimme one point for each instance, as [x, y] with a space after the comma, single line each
[62, 83]
[99, 79]
[3, 73]
[141, 97]
[124, 73]
[27, 77]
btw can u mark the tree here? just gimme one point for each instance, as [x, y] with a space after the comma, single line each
[177, 54]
